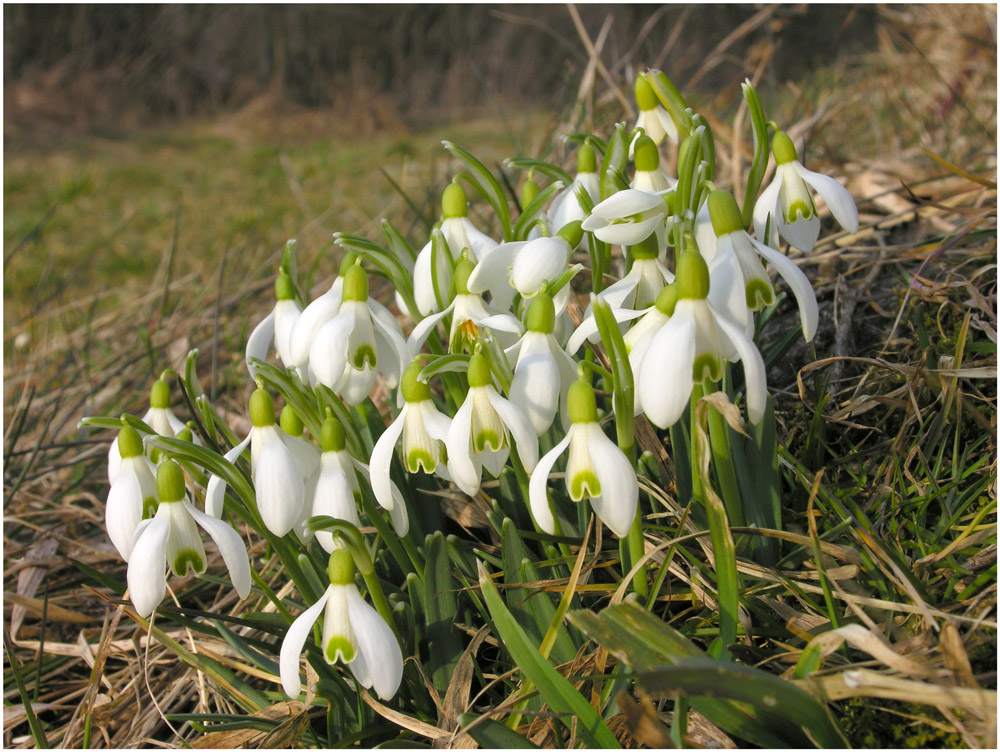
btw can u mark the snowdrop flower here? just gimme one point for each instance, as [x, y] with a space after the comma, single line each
[314, 316]
[277, 472]
[734, 265]
[691, 347]
[171, 537]
[565, 207]
[543, 372]
[471, 318]
[648, 175]
[307, 460]
[133, 492]
[347, 349]
[337, 493]
[789, 203]
[627, 217]
[483, 429]
[159, 417]
[460, 234]
[353, 632]
[424, 430]
[654, 120]
[596, 469]
[524, 266]
[638, 338]
[276, 326]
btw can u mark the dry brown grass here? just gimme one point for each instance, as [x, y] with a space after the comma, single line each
[904, 351]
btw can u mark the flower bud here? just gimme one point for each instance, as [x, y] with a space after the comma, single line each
[453, 202]
[170, 482]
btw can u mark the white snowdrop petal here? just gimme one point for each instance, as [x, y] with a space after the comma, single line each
[295, 640]
[767, 206]
[328, 353]
[464, 471]
[801, 287]
[493, 271]
[619, 487]
[519, 426]
[536, 384]
[377, 643]
[260, 339]
[280, 489]
[666, 377]
[836, 196]
[230, 545]
[146, 575]
[755, 374]
[124, 508]
[538, 486]
[309, 322]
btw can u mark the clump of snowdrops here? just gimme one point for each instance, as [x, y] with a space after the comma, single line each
[528, 338]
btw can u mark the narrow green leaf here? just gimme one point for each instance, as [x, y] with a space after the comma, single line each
[555, 172]
[492, 735]
[613, 165]
[398, 245]
[487, 185]
[456, 362]
[37, 732]
[562, 698]
[761, 151]
[533, 211]
[441, 606]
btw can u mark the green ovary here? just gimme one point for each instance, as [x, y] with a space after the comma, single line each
[584, 485]
[759, 294]
[185, 559]
[706, 366]
[339, 645]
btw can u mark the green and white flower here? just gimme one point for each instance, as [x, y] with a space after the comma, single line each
[654, 120]
[483, 430]
[596, 469]
[133, 492]
[171, 538]
[627, 217]
[789, 204]
[566, 207]
[353, 633]
[159, 417]
[692, 346]
[277, 326]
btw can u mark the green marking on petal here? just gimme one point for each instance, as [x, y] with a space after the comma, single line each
[706, 366]
[418, 460]
[584, 485]
[759, 294]
[149, 507]
[487, 437]
[364, 354]
[798, 210]
[185, 559]
[339, 645]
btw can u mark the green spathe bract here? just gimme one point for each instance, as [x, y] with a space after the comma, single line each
[284, 288]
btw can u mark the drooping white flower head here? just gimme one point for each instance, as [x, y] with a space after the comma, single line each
[654, 120]
[171, 538]
[483, 429]
[739, 282]
[565, 207]
[627, 217]
[353, 632]
[691, 347]
[596, 469]
[356, 344]
[543, 372]
[471, 318]
[314, 316]
[648, 175]
[524, 266]
[307, 460]
[424, 430]
[460, 234]
[133, 492]
[159, 417]
[789, 203]
[277, 326]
